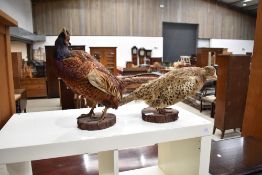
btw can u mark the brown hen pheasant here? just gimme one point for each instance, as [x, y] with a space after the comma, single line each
[171, 87]
[86, 76]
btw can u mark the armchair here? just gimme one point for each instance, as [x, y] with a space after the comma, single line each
[208, 95]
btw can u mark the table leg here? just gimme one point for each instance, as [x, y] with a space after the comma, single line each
[205, 155]
[180, 157]
[212, 109]
[21, 168]
[108, 162]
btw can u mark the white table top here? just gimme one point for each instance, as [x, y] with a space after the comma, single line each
[39, 135]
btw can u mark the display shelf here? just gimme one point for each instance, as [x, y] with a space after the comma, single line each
[43, 135]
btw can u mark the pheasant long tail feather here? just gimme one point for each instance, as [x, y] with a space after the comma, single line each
[136, 80]
[127, 99]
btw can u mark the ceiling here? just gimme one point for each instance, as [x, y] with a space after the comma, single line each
[246, 6]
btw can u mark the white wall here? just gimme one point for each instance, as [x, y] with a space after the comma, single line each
[17, 46]
[123, 44]
[20, 10]
[203, 43]
[234, 46]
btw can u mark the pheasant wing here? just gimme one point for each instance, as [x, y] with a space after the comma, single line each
[103, 82]
[188, 85]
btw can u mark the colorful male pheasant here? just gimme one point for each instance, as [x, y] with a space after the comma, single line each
[86, 76]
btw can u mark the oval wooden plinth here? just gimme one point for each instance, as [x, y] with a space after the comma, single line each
[152, 115]
[90, 124]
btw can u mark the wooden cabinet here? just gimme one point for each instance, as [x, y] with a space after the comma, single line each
[17, 68]
[52, 78]
[231, 91]
[106, 55]
[7, 107]
[202, 55]
[35, 87]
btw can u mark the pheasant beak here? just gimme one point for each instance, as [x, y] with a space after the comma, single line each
[210, 73]
[212, 77]
[67, 43]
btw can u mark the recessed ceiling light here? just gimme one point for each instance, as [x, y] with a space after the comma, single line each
[247, 0]
[244, 4]
[162, 6]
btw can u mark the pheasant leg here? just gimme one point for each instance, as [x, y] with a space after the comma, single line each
[103, 114]
[90, 114]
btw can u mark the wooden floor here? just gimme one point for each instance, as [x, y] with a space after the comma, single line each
[236, 156]
[88, 165]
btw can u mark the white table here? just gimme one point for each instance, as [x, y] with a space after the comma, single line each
[183, 145]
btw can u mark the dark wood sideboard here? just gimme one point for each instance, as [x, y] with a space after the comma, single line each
[231, 91]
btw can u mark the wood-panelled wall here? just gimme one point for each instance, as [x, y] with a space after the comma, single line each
[252, 124]
[139, 17]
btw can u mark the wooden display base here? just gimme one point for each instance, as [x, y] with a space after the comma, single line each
[152, 115]
[90, 124]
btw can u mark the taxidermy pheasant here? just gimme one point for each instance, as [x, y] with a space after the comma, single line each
[171, 87]
[84, 75]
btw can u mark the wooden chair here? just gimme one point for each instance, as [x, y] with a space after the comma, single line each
[211, 99]
[207, 94]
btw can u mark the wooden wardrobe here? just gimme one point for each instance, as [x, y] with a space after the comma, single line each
[106, 56]
[231, 91]
[7, 107]
[17, 68]
[202, 55]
